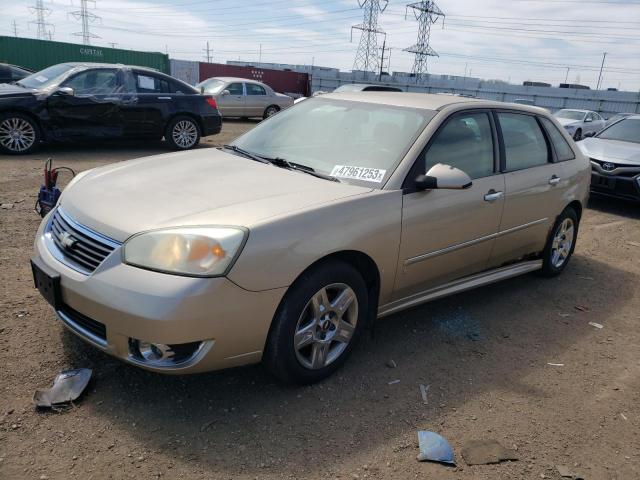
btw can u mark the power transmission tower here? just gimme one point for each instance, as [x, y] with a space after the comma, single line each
[427, 13]
[85, 17]
[41, 12]
[15, 28]
[367, 55]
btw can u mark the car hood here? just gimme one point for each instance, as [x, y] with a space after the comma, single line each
[199, 187]
[611, 150]
[567, 121]
[9, 91]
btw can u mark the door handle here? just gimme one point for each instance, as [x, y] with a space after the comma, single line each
[554, 180]
[492, 196]
[164, 98]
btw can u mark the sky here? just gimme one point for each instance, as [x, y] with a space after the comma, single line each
[510, 40]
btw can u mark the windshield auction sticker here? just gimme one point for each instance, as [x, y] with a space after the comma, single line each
[358, 173]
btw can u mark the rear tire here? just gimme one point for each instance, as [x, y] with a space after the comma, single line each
[182, 133]
[561, 243]
[317, 324]
[19, 134]
[270, 111]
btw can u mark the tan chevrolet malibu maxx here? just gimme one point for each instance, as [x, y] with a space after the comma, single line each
[284, 245]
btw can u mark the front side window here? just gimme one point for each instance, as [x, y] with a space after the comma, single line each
[235, 89]
[465, 142]
[253, 89]
[326, 134]
[94, 82]
[524, 142]
[560, 145]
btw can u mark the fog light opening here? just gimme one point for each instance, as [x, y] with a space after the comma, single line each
[161, 354]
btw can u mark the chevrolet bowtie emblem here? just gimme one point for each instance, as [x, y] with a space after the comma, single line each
[67, 240]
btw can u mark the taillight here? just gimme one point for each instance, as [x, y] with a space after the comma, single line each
[212, 101]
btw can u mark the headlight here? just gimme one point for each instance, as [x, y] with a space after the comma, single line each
[194, 251]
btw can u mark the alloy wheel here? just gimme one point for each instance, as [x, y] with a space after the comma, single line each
[326, 326]
[185, 134]
[17, 134]
[271, 111]
[562, 243]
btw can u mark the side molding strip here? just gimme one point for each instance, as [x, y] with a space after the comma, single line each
[435, 253]
[461, 285]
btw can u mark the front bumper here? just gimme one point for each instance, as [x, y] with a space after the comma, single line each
[622, 186]
[117, 303]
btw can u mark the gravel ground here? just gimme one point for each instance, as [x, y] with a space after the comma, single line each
[484, 354]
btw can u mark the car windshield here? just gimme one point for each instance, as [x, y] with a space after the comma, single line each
[212, 85]
[570, 114]
[627, 130]
[354, 141]
[47, 77]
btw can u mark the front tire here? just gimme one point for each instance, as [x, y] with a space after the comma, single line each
[19, 134]
[317, 324]
[578, 135]
[560, 244]
[183, 133]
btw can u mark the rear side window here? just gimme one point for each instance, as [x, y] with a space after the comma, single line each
[560, 145]
[150, 84]
[253, 89]
[524, 142]
[465, 142]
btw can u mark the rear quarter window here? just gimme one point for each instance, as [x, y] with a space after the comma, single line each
[560, 145]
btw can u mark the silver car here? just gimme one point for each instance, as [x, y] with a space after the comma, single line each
[580, 123]
[615, 159]
[241, 97]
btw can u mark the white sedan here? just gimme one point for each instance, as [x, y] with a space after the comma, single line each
[580, 123]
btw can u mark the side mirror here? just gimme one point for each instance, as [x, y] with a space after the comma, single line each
[587, 120]
[226, 92]
[443, 177]
[589, 134]
[65, 91]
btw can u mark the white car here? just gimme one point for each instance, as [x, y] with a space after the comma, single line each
[580, 123]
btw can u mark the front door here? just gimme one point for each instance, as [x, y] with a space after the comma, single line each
[94, 108]
[448, 234]
[232, 104]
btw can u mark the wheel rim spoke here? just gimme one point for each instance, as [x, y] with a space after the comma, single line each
[343, 301]
[344, 332]
[319, 353]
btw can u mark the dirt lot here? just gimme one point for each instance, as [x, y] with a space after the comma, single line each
[485, 355]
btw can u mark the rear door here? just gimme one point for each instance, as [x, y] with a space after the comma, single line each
[94, 109]
[146, 114]
[448, 234]
[257, 100]
[535, 186]
[233, 103]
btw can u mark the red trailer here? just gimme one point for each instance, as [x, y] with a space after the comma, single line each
[281, 81]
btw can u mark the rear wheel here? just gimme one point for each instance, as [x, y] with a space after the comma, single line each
[270, 111]
[561, 243]
[19, 134]
[317, 324]
[182, 133]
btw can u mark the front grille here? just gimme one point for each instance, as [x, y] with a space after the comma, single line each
[628, 171]
[95, 328]
[79, 246]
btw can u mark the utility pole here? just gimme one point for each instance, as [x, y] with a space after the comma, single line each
[40, 12]
[384, 44]
[260, 55]
[427, 13]
[604, 55]
[113, 44]
[15, 28]
[566, 77]
[367, 53]
[85, 17]
[208, 52]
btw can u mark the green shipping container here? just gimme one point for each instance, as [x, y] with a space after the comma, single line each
[38, 54]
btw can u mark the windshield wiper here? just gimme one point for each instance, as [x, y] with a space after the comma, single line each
[281, 162]
[245, 153]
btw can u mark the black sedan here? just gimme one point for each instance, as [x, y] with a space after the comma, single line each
[80, 101]
[11, 73]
